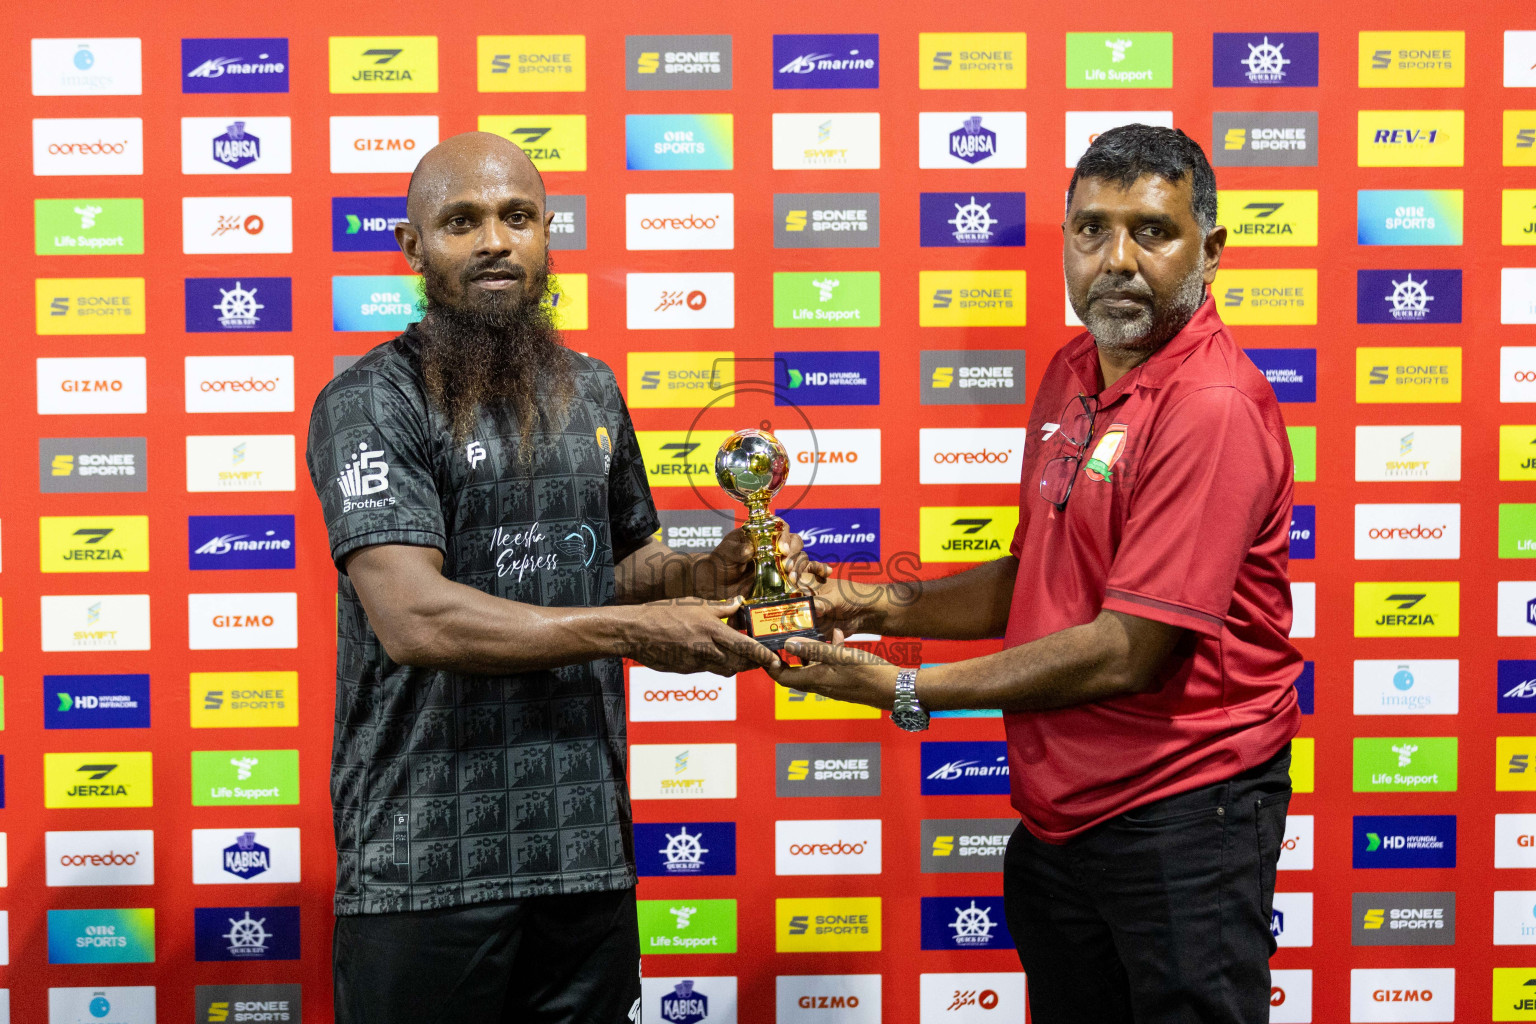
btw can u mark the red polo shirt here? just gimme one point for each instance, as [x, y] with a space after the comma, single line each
[1190, 526]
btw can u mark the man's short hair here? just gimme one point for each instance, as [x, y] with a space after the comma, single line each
[1125, 154]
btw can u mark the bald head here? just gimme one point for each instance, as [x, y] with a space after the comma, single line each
[470, 162]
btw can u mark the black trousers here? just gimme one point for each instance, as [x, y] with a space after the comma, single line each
[1158, 916]
[570, 959]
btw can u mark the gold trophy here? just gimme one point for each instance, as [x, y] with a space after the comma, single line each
[752, 466]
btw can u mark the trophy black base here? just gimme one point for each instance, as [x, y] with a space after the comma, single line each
[774, 623]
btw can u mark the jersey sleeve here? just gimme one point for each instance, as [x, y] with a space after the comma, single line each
[370, 465]
[1209, 479]
[632, 515]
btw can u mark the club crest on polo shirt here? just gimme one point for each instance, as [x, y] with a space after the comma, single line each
[1106, 453]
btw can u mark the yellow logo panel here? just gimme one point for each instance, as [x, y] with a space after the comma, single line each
[1407, 609]
[93, 543]
[678, 458]
[1520, 138]
[531, 63]
[970, 60]
[1519, 221]
[1277, 297]
[90, 305]
[1517, 452]
[794, 706]
[117, 779]
[1410, 138]
[383, 64]
[554, 142]
[568, 294]
[971, 298]
[1413, 60]
[1407, 375]
[848, 924]
[237, 700]
[966, 533]
[1515, 763]
[1514, 998]
[1303, 765]
[681, 380]
[1273, 217]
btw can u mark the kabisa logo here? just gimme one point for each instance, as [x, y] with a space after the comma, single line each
[101, 936]
[236, 148]
[554, 142]
[94, 543]
[1410, 138]
[685, 849]
[826, 378]
[1410, 60]
[833, 924]
[1119, 60]
[974, 298]
[826, 220]
[237, 856]
[836, 535]
[826, 61]
[966, 533]
[964, 767]
[827, 769]
[971, 219]
[87, 67]
[1303, 542]
[679, 142]
[971, 142]
[969, 139]
[971, 60]
[249, 1004]
[1292, 372]
[969, 922]
[1268, 59]
[393, 64]
[88, 227]
[1264, 139]
[531, 63]
[1408, 296]
[246, 933]
[1269, 218]
[1409, 216]
[1405, 841]
[245, 304]
[240, 542]
[658, 63]
[365, 223]
[96, 702]
[1516, 686]
[684, 1005]
[234, 65]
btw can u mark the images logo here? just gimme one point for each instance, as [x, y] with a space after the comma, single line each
[366, 223]
[1275, 217]
[1292, 372]
[88, 227]
[966, 533]
[964, 139]
[827, 220]
[1405, 841]
[687, 926]
[1268, 59]
[1408, 296]
[678, 142]
[375, 303]
[964, 922]
[531, 63]
[231, 778]
[1267, 296]
[660, 63]
[93, 543]
[246, 933]
[240, 542]
[971, 60]
[955, 845]
[972, 377]
[90, 305]
[1405, 765]
[121, 779]
[96, 702]
[252, 145]
[847, 924]
[224, 700]
[101, 936]
[1410, 138]
[1412, 60]
[234, 65]
[219, 225]
[1264, 139]
[680, 220]
[1119, 60]
[1409, 216]
[826, 61]
[1407, 609]
[1417, 374]
[100, 858]
[87, 67]
[554, 142]
[381, 145]
[687, 301]
[808, 142]
[971, 219]
[87, 145]
[219, 304]
[826, 378]
[965, 767]
[827, 299]
[686, 849]
[393, 64]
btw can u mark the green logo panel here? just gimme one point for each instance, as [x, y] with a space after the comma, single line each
[1517, 531]
[1411, 764]
[1119, 60]
[687, 926]
[1303, 452]
[88, 227]
[239, 778]
[827, 299]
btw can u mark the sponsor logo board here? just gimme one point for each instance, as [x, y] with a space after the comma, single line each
[249, 1004]
[1421, 686]
[88, 622]
[246, 934]
[809, 142]
[89, 305]
[87, 146]
[96, 702]
[231, 384]
[244, 304]
[679, 142]
[681, 301]
[88, 227]
[680, 697]
[679, 220]
[240, 542]
[229, 225]
[826, 220]
[99, 858]
[87, 67]
[531, 63]
[687, 926]
[239, 778]
[125, 936]
[971, 60]
[1407, 531]
[826, 378]
[554, 142]
[682, 63]
[1402, 994]
[388, 64]
[844, 998]
[240, 462]
[224, 700]
[671, 771]
[685, 849]
[963, 139]
[970, 455]
[1406, 841]
[1407, 453]
[239, 856]
[239, 144]
[827, 769]
[827, 847]
[234, 65]
[844, 61]
[380, 144]
[849, 924]
[1409, 216]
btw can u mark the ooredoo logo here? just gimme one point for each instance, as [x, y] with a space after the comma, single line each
[239, 384]
[833, 847]
[87, 145]
[1407, 531]
[689, 220]
[680, 697]
[970, 455]
[100, 858]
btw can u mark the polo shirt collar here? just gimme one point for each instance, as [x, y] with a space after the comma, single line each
[1083, 356]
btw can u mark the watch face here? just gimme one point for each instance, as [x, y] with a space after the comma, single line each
[910, 718]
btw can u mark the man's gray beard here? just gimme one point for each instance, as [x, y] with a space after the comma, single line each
[1149, 329]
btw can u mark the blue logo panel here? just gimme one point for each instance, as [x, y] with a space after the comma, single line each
[1306, 687]
[365, 223]
[826, 378]
[240, 542]
[1408, 296]
[679, 142]
[1292, 372]
[826, 62]
[965, 768]
[113, 936]
[1405, 841]
[1401, 216]
[384, 302]
[234, 65]
[246, 933]
[836, 535]
[239, 304]
[1303, 531]
[1517, 686]
[965, 922]
[685, 849]
[967, 220]
[96, 702]
[1264, 59]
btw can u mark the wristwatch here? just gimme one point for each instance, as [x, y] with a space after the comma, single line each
[908, 713]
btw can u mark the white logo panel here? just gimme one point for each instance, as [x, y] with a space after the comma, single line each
[1514, 840]
[240, 462]
[718, 993]
[1517, 608]
[217, 225]
[1303, 610]
[239, 383]
[815, 142]
[1517, 295]
[72, 386]
[1298, 843]
[242, 622]
[1291, 919]
[970, 140]
[831, 998]
[832, 456]
[1519, 59]
[1402, 994]
[125, 857]
[669, 771]
[236, 145]
[1083, 126]
[87, 67]
[90, 622]
[1420, 686]
[1290, 997]
[970, 455]
[1407, 531]
[1514, 918]
[1517, 370]
[1407, 453]
[87, 145]
[380, 145]
[114, 1004]
[681, 220]
[680, 696]
[827, 847]
[691, 301]
[982, 998]
[241, 856]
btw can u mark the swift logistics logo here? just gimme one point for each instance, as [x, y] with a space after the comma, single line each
[966, 533]
[1119, 60]
[1292, 372]
[1264, 59]
[241, 778]
[218, 305]
[1256, 297]
[124, 936]
[972, 377]
[389, 64]
[91, 465]
[531, 63]
[668, 63]
[844, 61]
[971, 60]
[689, 771]
[93, 543]
[1403, 919]
[92, 622]
[826, 378]
[850, 924]
[240, 542]
[1408, 296]
[952, 768]
[1404, 841]
[826, 769]
[88, 227]
[115, 779]
[96, 702]
[1412, 60]
[964, 923]
[240, 462]
[234, 65]
[826, 220]
[826, 299]
[1407, 609]
[1414, 452]
[681, 380]
[1409, 216]
[687, 926]
[1250, 138]
[957, 845]
[245, 934]
[971, 298]
[1410, 138]
[89, 305]
[965, 139]
[971, 219]
[810, 142]
[241, 700]
[554, 142]
[679, 142]
[1405, 764]
[685, 849]
[1270, 217]
[366, 223]
[1409, 374]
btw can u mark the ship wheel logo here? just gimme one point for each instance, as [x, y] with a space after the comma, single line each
[1410, 299]
[973, 221]
[246, 936]
[683, 851]
[237, 307]
[1265, 61]
[973, 925]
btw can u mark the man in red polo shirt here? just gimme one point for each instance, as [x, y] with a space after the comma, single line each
[1147, 676]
